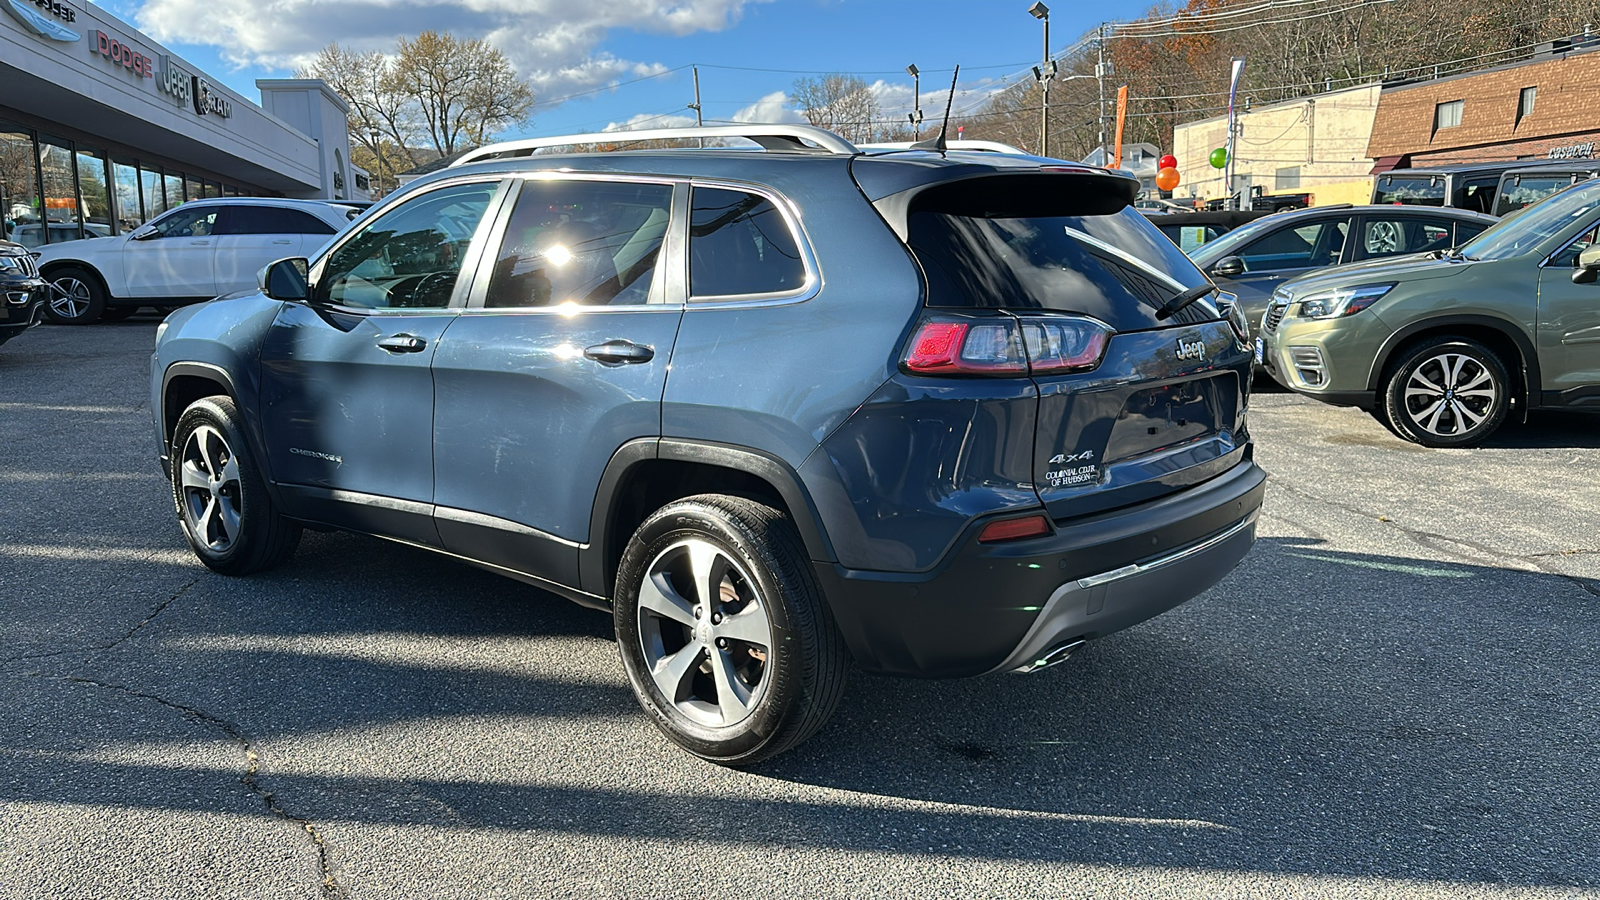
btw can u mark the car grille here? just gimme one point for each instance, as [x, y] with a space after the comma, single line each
[1274, 316]
[30, 268]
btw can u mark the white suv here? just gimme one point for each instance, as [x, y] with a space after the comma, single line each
[197, 251]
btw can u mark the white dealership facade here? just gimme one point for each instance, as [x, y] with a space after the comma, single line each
[102, 129]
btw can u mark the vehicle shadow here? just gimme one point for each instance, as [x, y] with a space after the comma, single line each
[1323, 712]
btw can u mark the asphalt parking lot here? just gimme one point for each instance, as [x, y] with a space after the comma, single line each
[1393, 696]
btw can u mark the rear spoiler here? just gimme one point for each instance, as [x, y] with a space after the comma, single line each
[1034, 192]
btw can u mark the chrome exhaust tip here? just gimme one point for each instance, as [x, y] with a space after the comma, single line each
[1057, 654]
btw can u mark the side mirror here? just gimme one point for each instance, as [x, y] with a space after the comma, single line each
[1588, 265]
[286, 279]
[143, 233]
[1228, 267]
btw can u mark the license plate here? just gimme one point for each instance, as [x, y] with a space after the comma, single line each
[1260, 351]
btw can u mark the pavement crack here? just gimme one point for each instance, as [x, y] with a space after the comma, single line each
[101, 648]
[1444, 543]
[330, 887]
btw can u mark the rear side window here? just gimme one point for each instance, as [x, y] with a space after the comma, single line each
[1308, 246]
[740, 245]
[1117, 267]
[588, 243]
[1381, 236]
[1466, 231]
[271, 220]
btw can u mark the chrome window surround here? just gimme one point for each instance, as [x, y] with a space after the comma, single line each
[1545, 263]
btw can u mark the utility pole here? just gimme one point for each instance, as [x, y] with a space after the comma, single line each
[699, 121]
[1100, 79]
[1044, 74]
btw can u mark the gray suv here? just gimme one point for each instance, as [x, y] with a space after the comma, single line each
[936, 413]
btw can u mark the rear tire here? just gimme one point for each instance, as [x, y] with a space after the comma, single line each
[76, 297]
[222, 502]
[1447, 392]
[723, 630]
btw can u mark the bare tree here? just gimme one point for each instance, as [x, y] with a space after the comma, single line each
[843, 104]
[383, 120]
[465, 90]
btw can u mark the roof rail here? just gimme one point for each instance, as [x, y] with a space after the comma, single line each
[769, 136]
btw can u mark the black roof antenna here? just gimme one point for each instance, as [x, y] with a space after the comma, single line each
[936, 143]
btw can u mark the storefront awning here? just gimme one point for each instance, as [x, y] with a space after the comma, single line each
[1385, 163]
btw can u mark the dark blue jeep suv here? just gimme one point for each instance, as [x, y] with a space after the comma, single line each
[937, 413]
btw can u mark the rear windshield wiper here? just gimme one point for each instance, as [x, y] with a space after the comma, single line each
[1176, 304]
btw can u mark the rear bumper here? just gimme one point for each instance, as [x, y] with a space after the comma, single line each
[999, 607]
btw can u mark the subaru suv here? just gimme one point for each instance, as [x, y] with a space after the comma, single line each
[936, 413]
[1444, 346]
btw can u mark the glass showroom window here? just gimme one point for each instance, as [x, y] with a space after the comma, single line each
[155, 197]
[19, 188]
[125, 195]
[60, 191]
[174, 182]
[193, 189]
[94, 194]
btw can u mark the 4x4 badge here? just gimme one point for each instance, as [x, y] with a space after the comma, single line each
[1191, 349]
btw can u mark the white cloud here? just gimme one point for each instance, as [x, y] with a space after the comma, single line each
[553, 43]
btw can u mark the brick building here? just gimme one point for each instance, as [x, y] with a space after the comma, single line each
[1544, 107]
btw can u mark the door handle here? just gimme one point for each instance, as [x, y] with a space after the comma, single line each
[616, 353]
[403, 343]
[200, 243]
[283, 242]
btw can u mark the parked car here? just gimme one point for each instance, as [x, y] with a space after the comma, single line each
[1190, 230]
[1443, 347]
[1469, 186]
[1521, 188]
[1158, 205]
[194, 252]
[939, 413]
[22, 291]
[1252, 261]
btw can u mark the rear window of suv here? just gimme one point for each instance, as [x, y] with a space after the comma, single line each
[1118, 268]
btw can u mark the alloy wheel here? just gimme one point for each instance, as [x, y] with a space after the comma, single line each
[70, 297]
[706, 633]
[209, 489]
[1450, 394]
[1383, 238]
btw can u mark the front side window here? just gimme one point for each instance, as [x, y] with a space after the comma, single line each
[1477, 194]
[740, 244]
[194, 221]
[1316, 244]
[408, 258]
[591, 243]
[1568, 258]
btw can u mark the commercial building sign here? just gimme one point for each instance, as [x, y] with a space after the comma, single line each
[122, 54]
[32, 15]
[1573, 151]
[175, 81]
[209, 102]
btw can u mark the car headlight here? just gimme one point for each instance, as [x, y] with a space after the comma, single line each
[161, 330]
[1341, 301]
[10, 264]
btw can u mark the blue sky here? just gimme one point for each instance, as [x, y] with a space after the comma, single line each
[568, 47]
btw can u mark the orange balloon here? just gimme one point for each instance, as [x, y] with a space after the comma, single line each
[1167, 178]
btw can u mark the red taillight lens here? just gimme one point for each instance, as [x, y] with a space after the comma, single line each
[1014, 529]
[1050, 345]
[966, 347]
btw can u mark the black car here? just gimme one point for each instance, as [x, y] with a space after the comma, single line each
[1251, 262]
[22, 291]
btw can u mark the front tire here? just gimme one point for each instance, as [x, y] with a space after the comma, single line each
[1447, 392]
[76, 297]
[723, 630]
[222, 502]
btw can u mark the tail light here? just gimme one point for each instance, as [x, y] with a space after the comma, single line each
[1002, 345]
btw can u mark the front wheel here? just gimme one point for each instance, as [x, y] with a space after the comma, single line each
[223, 504]
[76, 297]
[723, 630]
[1447, 392]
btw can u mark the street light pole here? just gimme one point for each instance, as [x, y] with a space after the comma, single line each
[1044, 73]
[916, 100]
[1100, 77]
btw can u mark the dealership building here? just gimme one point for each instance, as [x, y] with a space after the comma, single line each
[102, 129]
